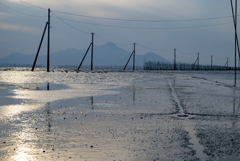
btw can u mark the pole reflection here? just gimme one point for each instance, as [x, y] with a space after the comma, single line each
[92, 102]
[236, 107]
[48, 116]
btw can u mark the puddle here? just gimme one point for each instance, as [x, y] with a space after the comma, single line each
[188, 125]
[52, 86]
[117, 116]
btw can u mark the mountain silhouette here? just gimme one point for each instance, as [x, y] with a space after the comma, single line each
[108, 54]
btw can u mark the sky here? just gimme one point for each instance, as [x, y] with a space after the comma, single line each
[160, 26]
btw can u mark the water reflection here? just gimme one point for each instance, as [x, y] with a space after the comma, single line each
[134, 90]
[236, 107]
[92, 102]
[51, 87]
[22, 153]
[48, 116]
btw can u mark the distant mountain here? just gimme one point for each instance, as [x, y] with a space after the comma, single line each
[105, 55]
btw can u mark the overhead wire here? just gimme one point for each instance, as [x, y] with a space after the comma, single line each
[152, 48]
[115, 19]
[97, 36]
[20, 11]
[139, 28]
[70, 25]
[148, 28]
[106, 40]
[112, 26]
[33, 5]
[185, 52]
[138, 20]
[129, 20]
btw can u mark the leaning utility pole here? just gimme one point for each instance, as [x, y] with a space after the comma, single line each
[48, 48]
[48, 54]
[132, 54]
[34, 63]
[226, 65]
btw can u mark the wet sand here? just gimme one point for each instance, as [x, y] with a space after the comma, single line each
[114, 115]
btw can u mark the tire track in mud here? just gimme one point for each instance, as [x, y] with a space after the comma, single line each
[188, 125]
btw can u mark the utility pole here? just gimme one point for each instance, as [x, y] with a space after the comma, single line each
[174, 59]
[198, 61]
[92, 52]
[134, 52]
[48, 53]
[227, 62]
[211, 62]
[235, 82]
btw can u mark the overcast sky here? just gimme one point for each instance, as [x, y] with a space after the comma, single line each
[208, 30]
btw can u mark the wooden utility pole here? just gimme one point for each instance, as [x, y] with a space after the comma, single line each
[227, 62]
[48, 53]
[211, 62]
[134, 52]
[235, 81]
[92, 52]
[174, 66]
[198, 61]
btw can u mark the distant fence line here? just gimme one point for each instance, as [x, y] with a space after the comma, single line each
[20, 65]
[101, 67]
[150, 65]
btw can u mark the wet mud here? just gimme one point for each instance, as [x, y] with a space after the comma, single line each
[113, 115]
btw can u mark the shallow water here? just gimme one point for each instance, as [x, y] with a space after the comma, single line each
[116, 115]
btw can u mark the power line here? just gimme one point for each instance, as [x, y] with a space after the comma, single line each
[204, 55]
[123, 27]
[152, 48]
[70, 25]
[136, 20]
[185, 53]
[103, 39]
[33, 5]
[129, 20]
[106, 40]
[149, 28]
[20, 11]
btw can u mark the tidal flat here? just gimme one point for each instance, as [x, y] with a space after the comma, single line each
[118, 115]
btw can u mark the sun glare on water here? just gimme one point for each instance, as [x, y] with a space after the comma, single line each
[22, 155]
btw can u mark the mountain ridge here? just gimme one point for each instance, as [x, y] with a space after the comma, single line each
[108, 54]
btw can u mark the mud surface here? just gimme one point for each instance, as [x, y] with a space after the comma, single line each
[115, 115]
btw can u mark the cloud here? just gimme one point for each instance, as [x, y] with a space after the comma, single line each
[158, 8]
[9, 27]
[3, 14]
